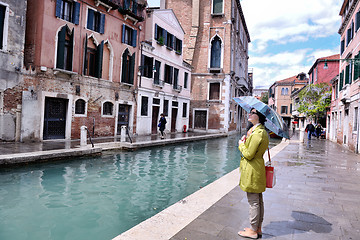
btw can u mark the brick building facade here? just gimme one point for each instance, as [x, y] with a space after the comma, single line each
[216, 45]
[81, 58]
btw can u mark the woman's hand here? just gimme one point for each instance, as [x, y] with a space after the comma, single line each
[242, 140]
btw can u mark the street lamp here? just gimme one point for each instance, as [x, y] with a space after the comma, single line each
[351, 60]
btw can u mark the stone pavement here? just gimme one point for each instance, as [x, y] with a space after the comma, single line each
[316, 196]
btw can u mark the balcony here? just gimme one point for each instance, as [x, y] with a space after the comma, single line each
[177, 88]
[132, 10]
[158, 83]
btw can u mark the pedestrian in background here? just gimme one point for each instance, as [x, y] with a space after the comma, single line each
[162, 123]
[318, 130]
[252, 168]
[310, 129]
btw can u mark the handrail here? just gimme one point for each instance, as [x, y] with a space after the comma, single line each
[92, 144]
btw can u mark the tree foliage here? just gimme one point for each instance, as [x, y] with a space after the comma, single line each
[314, 99]
[265, 97]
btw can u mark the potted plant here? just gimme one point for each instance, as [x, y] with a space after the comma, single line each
[160, 40]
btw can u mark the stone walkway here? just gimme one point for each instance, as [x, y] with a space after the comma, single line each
[316, 196]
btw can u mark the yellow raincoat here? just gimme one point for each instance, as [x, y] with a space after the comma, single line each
[252, 166]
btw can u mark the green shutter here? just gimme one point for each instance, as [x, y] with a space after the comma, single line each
[123, 69]
[347, 74]
[341, 80]
[85, 54]
[132, 66]
[99, 60]
[71, 52]
[61, 48]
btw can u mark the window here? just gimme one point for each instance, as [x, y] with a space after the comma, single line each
[184, 115]
[176, 77]
[284, 109]
[166, 107]
[144, 106]
[170, 41]
[357, 21]
[342, 46]
[350, 33]
[217, 7]
[159, 34]
[93, 58]
[96, 21]
[108, 108]
[68, 10]
[129, 35]
[127, 71]
[4, 16]
[65, 49]
[175, 104]
[178, 46]
[80, 106]
[156, 101]
[157, 72]
[147, 66]
[168, 75]
[356, 112]
[186, 77]
[215, 59]
[214, 91]
[341, 80]
[284, 91]
[348, 75]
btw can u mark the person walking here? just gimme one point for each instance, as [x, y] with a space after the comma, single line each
[310, 129]
[252, 168]
[318, 130]
[162, 123]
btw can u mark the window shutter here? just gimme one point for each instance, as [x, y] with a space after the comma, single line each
[180, 45]
[102, 23]
[85, 54]
[142, 65]
[171, 75]
[123, 70]
[165, 36]
[357, 67]
[90, 22]
[71, 47]
[347, 74]
[155, 37]
[98, 60]
[341, 80]
[134, 36]
[76, 13]
[132, 65]
[61, 48]
[126, 4]
[135, 6]
[2, 19]
[357, 21]
[173, 39]
[58, 8]
[123, 34]
[351, 69]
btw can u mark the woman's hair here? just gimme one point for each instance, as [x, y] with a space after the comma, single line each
[262, 118]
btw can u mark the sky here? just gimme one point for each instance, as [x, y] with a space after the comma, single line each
[287, 36]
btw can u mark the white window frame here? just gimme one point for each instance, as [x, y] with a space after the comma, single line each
[6, 27]
[86, 106]
[222, 52]
[113, 110]
[212, 8]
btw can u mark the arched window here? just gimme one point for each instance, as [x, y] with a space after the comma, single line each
[108, 108]
[215, 59]
[93, 57]
[65, 48]
[127, 71]
[80, 106]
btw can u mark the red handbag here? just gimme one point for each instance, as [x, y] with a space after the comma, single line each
[270, 174]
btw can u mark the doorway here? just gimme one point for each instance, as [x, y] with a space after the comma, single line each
[123, 117]
[155, 119]
[200, 119]
[174, 113]
[55, 118]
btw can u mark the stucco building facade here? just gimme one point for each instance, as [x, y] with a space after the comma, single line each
[346, 97]
[216, 45]
[165, 79]
[12, 39]
[81, 60]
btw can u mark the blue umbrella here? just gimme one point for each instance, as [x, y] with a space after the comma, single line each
[274, 122]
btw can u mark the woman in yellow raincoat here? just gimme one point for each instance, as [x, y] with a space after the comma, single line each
[252, 168]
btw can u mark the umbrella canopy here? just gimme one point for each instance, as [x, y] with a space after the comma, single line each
[274, 122]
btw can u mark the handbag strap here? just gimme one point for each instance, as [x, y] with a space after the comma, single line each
[269, 155]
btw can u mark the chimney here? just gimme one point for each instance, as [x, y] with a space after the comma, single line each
[162, 4]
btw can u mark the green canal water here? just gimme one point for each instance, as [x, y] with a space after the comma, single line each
[101, 197]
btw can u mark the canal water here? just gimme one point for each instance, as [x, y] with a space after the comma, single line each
[101, 197]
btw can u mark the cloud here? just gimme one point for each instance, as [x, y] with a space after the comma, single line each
[284, 21]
